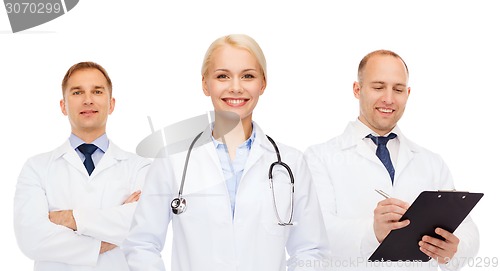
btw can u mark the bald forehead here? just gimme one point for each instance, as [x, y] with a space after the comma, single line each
[383, 65]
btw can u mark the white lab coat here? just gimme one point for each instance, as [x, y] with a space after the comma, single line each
[58, 180]
[205, 236]
[346, 172]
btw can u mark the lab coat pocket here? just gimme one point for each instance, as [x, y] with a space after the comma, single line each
[273, 230]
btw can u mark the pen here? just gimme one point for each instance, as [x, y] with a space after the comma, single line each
[382, 193]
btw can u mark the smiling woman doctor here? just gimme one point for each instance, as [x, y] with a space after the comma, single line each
[236, 199]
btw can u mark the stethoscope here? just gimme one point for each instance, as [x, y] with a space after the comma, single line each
[179, 204]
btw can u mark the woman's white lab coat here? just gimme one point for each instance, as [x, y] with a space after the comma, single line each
[346, 173]
[58, 180]
[205, 236]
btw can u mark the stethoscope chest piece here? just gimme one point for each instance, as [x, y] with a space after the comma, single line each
[178, 205]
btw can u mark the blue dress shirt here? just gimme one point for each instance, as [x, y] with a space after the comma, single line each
[101, 142]
[233, 170]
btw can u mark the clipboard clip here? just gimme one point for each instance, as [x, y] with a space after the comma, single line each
[453, 190]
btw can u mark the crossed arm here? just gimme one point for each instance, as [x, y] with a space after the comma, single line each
[66, 218]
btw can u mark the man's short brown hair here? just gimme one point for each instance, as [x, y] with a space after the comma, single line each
[84, 66]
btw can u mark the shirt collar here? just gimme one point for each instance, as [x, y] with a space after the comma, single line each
[248, 143]
[101, 142]
[361, 130]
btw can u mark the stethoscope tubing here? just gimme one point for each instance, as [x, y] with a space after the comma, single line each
[186, 164]
[179, 204]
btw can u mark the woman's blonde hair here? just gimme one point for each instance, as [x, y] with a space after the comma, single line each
[239, 41]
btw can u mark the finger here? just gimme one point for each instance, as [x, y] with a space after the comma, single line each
[130, 200]
[435, 242]
[393, 201]
[55, 215]
[434, 252]
[52, 216]
[138, 192]
[394, 209]
[384, 209]
[448, 236]
[400, 224]
[392, 224]
[136, 198]
[388, 217]
[430, 248]
[449, 248]
[133, 197]
[449, 245]
[427, 251]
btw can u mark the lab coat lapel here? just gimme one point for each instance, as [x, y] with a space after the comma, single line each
[110, 158]
[363, 150]
[350, 139]
[259, 147]
[216, 183]
[207, 145]
[69, 154]
[406, 153]
[214, 158]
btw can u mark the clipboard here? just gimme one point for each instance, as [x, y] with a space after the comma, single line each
[431, 209]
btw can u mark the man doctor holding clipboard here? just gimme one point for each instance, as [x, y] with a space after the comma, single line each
[371, 154]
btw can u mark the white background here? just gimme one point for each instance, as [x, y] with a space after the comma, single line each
[153, 52]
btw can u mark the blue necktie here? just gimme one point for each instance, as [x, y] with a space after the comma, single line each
[88, 150]
[383, 153]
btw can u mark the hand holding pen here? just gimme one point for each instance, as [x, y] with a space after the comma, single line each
[387, 215]
[428, 245]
